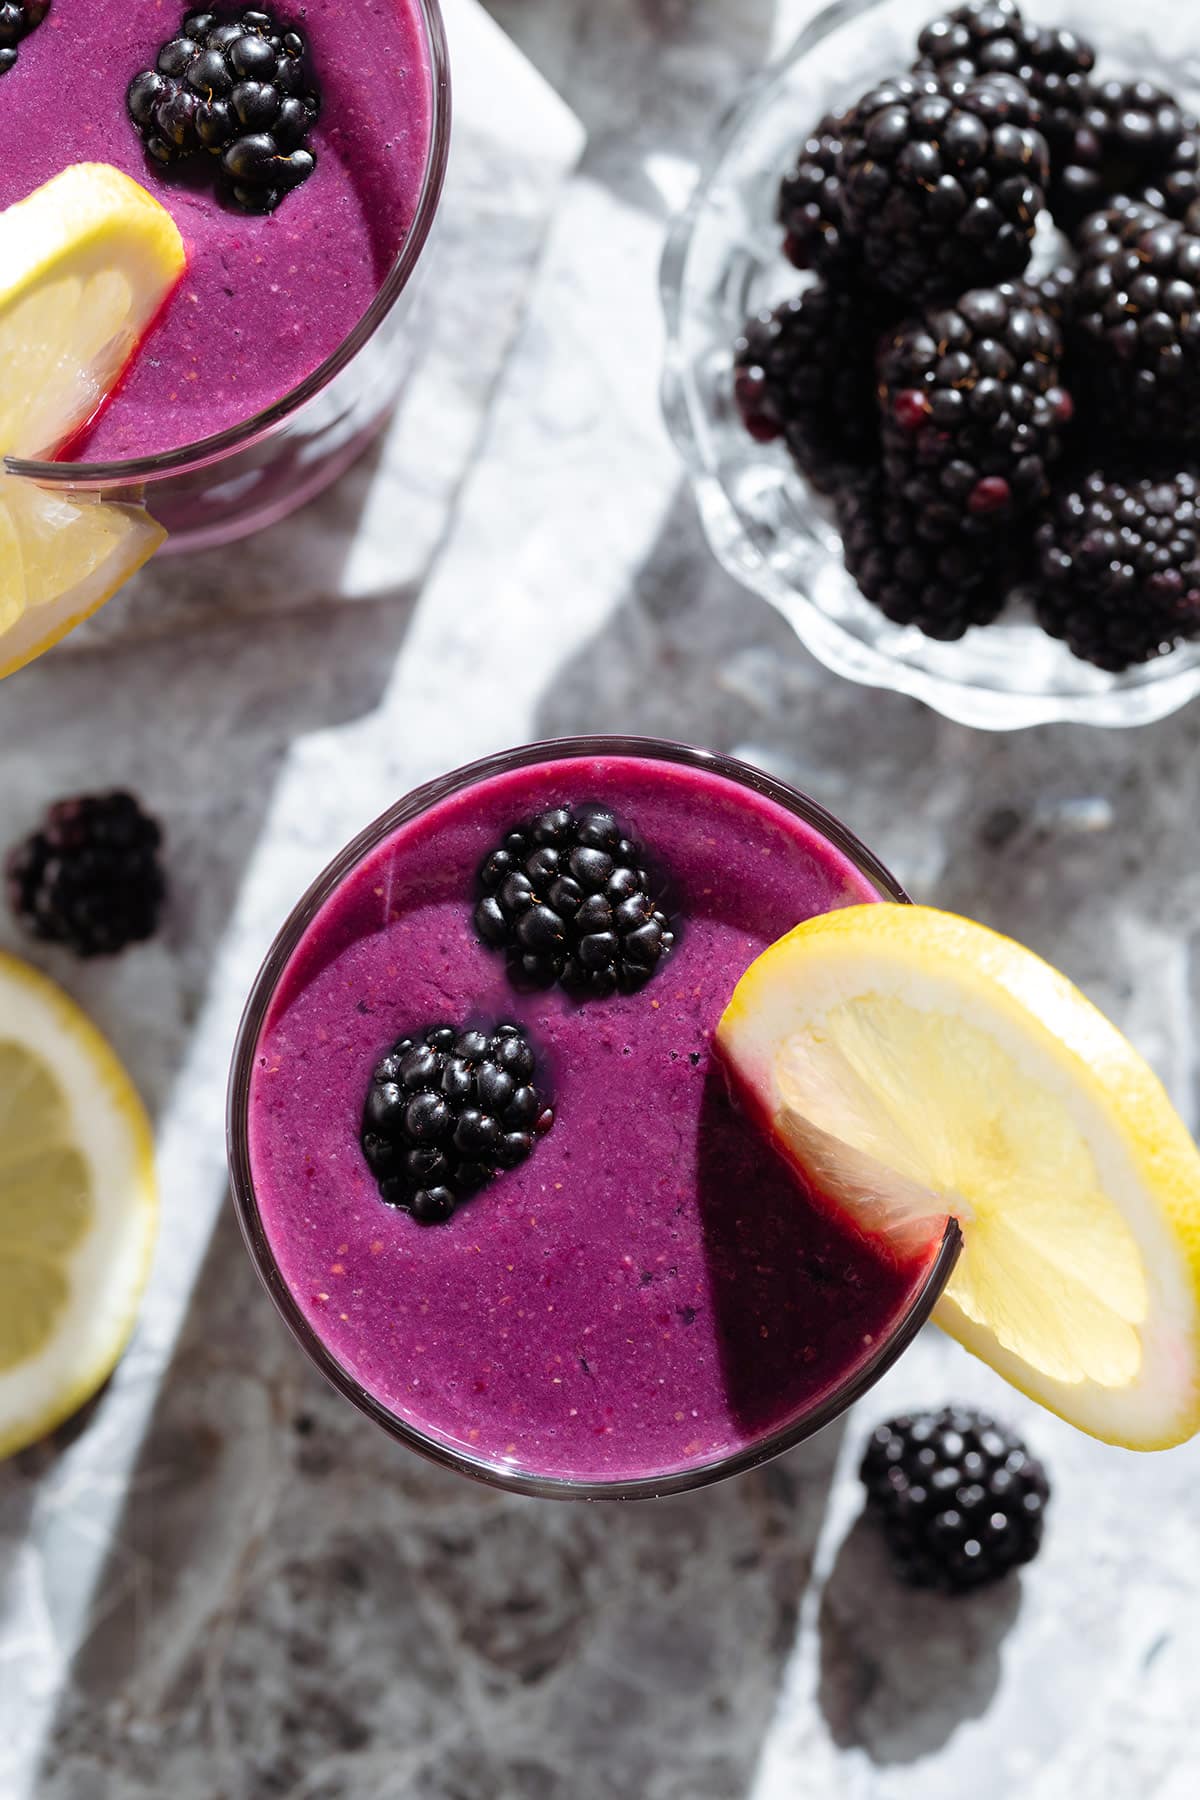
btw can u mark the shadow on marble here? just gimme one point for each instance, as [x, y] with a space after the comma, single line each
[297, 1607]
[689, 654]
[201, 729]
[901, 1670]
[647, 78]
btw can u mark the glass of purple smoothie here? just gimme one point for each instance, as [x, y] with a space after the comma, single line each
[290, 337]
[649, 1300]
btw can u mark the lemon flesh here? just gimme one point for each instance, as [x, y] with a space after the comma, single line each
[86, 263]
[61, 558]
[915, 1067]
[78, 1206]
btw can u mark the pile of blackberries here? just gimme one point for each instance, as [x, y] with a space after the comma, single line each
[977, 431]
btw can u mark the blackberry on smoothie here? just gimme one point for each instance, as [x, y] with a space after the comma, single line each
[489, 1161]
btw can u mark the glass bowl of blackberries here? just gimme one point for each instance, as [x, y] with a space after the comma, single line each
[933, 352]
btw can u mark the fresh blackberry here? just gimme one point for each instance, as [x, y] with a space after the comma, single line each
[235, 89]
[943, 583]
[1055, 292]
[90, 877]
[1174, 188]
[1118, 567]
[959, 1498]
[940, 189]
[1127, 135]
[809, 206]
[973, 410]
[446, 1111]
[1135, 324]
[805, 373]
[17, 19]
[567, 895]
[990, 37]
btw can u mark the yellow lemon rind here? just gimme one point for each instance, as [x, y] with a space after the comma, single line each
[64, 1022]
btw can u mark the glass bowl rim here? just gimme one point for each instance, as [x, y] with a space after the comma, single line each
[187, 458]
[433, 1449]
[1152, 691]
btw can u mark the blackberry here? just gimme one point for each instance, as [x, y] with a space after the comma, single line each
[959, 1498]
[235, 89]
[90, 876]
[1128, 133]
[1118, 567]
[941, 186]
[17, 19]
[809, 206]
[973, 410]
[990, 37]
[1174, 188]
[446, 1112]
[1135, 324]
[805, 373]
[568, 897]
[943, 584]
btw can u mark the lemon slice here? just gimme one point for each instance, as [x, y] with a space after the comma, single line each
[78, 1206]
[86, 263]
[917, 1067]
[60, 559]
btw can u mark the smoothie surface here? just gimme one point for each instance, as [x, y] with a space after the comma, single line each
[263, 300]
[652, 1289]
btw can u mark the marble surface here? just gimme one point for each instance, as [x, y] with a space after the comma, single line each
[222, 1584]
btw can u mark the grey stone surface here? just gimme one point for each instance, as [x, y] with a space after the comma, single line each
[224, 1585]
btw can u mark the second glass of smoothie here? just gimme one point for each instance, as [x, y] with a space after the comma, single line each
[649, 1300]
[289, 338]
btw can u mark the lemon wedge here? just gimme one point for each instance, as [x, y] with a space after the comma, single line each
[86, 263]
[78, 1206]
[916, 1067]
[60, 559]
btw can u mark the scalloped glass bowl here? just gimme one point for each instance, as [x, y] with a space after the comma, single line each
[765, 524]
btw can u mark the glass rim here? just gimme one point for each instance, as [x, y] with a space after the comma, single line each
[220, 444]
[262, 992]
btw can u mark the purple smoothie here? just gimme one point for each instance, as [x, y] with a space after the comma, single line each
[652, 1289]
[263, 300]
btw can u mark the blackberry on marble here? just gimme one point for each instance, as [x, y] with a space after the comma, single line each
[1118, 567]
[941, 183]
[805, 373]
[959, 1498]
[973, 408]
[1135, 325]
[238, 89]
[90, 876]
[17, 19]
[447, 1110]
[568, 897]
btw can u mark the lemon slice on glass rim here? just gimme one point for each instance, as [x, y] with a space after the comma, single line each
[86, 264]
[916, 1067]
[78, 1206]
